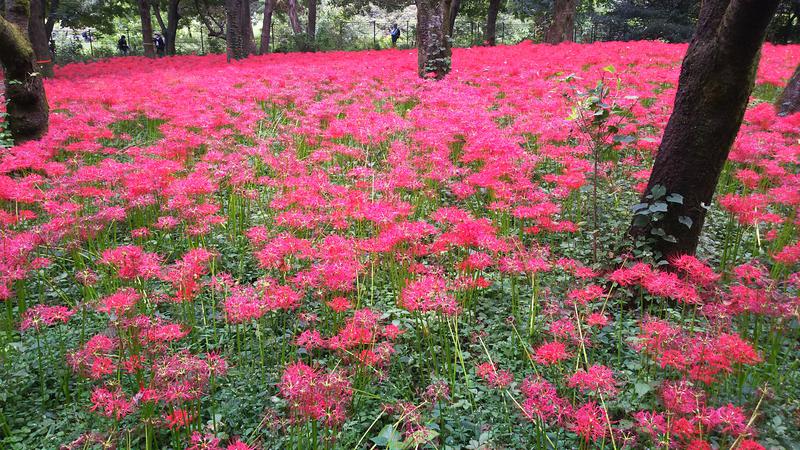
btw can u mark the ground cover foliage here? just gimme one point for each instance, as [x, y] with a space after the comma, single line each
[324, 251]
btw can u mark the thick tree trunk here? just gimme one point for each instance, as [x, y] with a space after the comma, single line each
[147, 28]
[235, 34]
[39, 39]
[491, 22]
[294, 22]
[311, 26]
[433, 46]
[269, 7]
[562, 27]
[27, 107]
[455, 7]
[789, 103]
[715, 83]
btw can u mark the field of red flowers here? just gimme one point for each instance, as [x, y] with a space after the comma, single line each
[322, 251]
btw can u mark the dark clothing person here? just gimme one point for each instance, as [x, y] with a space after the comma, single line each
[394, 32]
[52, 48]
[122, 46]
[161, 46]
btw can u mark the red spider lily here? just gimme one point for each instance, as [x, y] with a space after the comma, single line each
[42, 315]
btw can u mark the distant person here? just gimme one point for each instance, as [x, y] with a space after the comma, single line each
[52, 47]
[122, 46]
[161, 46]
[394, 32]
[87, 36]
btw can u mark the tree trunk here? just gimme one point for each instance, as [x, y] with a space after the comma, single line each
[269, 7]
[789, 102]
[147, 29]
[294, 22]
[247, 26]
[27, 107]
[562, 27]
[715, 83]
[455, 7]
[52, 18]
[173, 17]
[311, 26]
[235, 34]
[433, 46]
[39, 40]
[491, 22]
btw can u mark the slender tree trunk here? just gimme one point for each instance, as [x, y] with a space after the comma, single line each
[455, 7]
[789, 102]
[491, 22]
[147, 28]
[269, 7]
[247, 26]
[39, 40]
[562, 27]
[27, 107]
[311, 26]
[173, 17]
[52, 18]
[433, 46]
[294, 22]
[235, 34]
[715, 83]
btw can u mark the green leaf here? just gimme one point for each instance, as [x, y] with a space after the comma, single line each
[686, 220]
[387, 437]
[658, 207]
[610, 69]
[675, 198]
[658, 191]
[641, 388]
[639, 206]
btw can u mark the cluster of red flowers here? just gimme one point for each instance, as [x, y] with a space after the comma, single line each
[314, 394]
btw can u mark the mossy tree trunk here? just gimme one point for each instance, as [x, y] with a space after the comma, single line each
[27, 108]
[433, 44]
[562, 27]
[311, 26]
[789, 103]
[40, 40]
[715, 83]
[491, 22]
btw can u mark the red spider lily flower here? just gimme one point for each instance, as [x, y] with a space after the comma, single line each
[551, 353]
[178, 418]
[42, 315]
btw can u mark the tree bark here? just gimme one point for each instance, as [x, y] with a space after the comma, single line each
[311, 26]
[714, 86]
[247, 26]
[170, 28]
[27, 107]
[433, 45]
[52, 18]
[294, 22]
[455, 7]
[235, 34]
[491, 22]
[789, 103]
[39, 39]
[562, 27]
[147, 28]
[269, 7]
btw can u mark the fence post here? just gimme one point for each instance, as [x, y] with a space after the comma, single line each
[272, 36]
[341, 35]
[202, 44]
[91, 44]
[408, 32]
[374, 36]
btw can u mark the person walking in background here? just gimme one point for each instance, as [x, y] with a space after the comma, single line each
[158, 41]
[394, 32]
[122, 46]
[52, 47]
